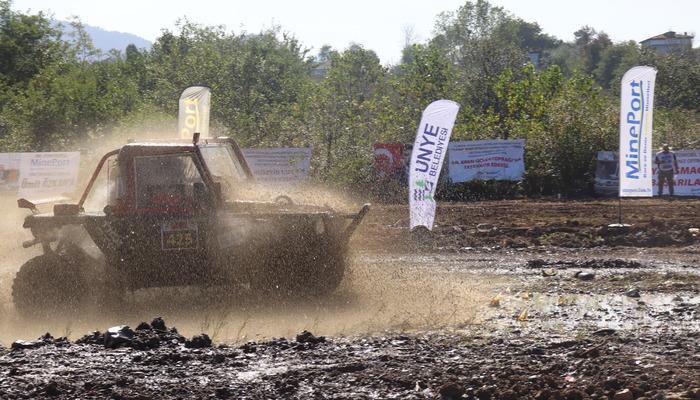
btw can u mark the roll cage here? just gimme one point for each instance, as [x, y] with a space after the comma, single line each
[127, 158]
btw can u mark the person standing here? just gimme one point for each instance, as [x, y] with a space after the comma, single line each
[667, 164]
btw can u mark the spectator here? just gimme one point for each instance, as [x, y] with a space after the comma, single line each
[666, 164]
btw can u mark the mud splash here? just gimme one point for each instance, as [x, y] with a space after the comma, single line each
[631, 330]
[373, 298]
[574, 312]
[308, 194]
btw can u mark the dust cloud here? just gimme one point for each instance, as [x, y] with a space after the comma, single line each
[374, 298]
[305, 194]
[12, 234]
[12, 255]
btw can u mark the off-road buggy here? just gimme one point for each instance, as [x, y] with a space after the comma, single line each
[172, 218]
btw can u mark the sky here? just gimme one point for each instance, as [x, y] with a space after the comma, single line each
[380, 25]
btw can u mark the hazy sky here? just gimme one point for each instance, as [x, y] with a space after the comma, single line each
[378, 24]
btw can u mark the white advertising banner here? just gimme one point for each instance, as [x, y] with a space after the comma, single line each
[636, 112]
[485, 160]
[193, 112]
[285, 166]
[429, 151]
[48, 174]
[686, 181]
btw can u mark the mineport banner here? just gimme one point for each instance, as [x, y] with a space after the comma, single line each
[48, 174]
[485, 160]
[636, 115]
[193, 112]
[283, 166]
[686, 181]
[429, 151]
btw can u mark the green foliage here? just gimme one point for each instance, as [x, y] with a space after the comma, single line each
[614, 62]
[584, 54]
[577, 130]
[563, 134]
[677, 126]
[255, 78]
[426, 75]
[28, 43]
[677, 80]
[482, 41]
[60, 92]
[344, 115]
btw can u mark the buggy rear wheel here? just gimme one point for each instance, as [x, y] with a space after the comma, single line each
[51, 283]
[111, 298]
[324, 272]
[313, 273]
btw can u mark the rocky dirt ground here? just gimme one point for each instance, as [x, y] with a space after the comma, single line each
[502, 300]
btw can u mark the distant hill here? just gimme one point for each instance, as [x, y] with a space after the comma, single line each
[107, 40]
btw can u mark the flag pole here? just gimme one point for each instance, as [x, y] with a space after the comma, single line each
[619, 210]
[636, 118]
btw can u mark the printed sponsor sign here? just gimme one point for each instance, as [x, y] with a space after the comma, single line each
[486, 160]
[286, 166]
[193, 112]
[429, 151]
[686, 181]
[636, 115]
[48, 174]
[387, 159]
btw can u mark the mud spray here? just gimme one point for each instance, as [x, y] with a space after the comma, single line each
[380, 292]
[377, 294]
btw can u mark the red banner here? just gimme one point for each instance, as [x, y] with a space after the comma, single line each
[387, 159]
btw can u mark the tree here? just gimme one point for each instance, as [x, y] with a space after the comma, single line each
[591, 45]
[614, 62]
[344, 113]
[255, 78]
[527, 36]
[677, 80]
[584, 54]
[426, 75]
[483, 41]
[562, 133]
[81, 43]
[28, 43]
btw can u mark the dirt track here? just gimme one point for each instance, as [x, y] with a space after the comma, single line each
[502, 311]
[527, 223]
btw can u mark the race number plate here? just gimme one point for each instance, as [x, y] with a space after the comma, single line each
[179, 235]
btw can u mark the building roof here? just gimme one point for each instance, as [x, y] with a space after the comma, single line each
[669, 35]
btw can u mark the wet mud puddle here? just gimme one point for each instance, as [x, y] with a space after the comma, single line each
[585, 312]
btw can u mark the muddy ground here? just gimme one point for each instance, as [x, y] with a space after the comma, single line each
[503, 300]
